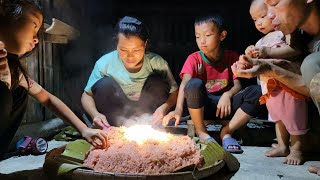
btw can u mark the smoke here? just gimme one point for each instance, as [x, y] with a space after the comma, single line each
[144, 119]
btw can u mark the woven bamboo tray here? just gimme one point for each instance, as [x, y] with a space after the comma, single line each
[52, 158]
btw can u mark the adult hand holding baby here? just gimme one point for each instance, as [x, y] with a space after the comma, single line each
[248, 67]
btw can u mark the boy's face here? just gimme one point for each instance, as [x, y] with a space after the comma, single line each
[22, 36]
[287, 15]
[208, 36]
[258, 12]
[131, 50]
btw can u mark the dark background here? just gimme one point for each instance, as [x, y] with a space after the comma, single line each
[170, 23]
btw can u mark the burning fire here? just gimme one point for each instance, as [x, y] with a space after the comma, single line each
[142, 133]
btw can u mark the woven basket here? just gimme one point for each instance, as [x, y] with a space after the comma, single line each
[52, 158]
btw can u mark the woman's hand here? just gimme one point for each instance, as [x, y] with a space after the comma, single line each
[224, 105]
[173, 114]
[158, 115]
[100, 121]
[96, 137]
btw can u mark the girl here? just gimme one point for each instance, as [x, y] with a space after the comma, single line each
[129, 81]
[210, 88]
[20, 22]
[287, 108]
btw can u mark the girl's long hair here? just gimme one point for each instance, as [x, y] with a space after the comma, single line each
[13, 12]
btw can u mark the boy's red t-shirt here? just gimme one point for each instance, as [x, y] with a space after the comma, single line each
[217, 76]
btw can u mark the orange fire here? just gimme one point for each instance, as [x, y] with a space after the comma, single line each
[142, 133]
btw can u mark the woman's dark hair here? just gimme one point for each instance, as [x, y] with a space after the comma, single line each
[130, 26]
[12, 14]
[214, 18]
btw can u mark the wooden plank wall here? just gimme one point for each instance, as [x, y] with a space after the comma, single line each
[43, 66]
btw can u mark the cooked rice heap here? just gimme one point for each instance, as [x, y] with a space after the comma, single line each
[143, 156]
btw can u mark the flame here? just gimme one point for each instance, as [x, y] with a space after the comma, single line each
[142, 133]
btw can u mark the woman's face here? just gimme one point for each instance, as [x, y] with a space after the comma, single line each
[22, 36]
[131, 50]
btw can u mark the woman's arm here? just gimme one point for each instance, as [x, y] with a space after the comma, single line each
[171, 101]
[89, 105]
[99, 120]
[62, 111]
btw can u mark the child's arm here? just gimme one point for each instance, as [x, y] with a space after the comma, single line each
[224, 104]
[99, 120]
[161, 111]
[279, 52]
[250, 51]
[180, 100]
[62, 111]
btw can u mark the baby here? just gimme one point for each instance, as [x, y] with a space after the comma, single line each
[287, 108]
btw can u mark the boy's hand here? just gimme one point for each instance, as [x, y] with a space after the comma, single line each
[96, 137]
[158, 115]
[224, 105]
[173, 114]
[100, 121]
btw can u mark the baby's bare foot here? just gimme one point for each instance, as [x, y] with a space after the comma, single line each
[315, 169]
[294, 158]
[277, 152]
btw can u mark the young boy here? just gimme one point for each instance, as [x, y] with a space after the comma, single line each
[210, 88]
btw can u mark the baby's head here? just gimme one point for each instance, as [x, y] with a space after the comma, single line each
[258, 12]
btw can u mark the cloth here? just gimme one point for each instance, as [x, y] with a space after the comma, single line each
[288, 106]
[282, 102]
[218, 76]
[131, 83]
[273, 39]
[197, 97]
[111, 101]
[13, 106]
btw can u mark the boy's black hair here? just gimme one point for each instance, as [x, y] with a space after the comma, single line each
[131, 26]
[215, 18]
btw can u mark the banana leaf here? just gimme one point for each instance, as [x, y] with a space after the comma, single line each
[77, 149]
[74, 155]
[213, 152]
